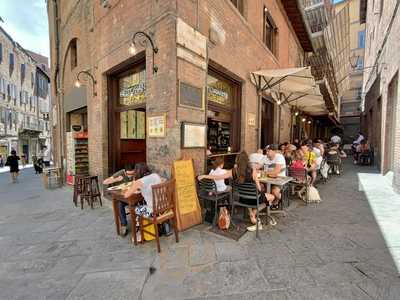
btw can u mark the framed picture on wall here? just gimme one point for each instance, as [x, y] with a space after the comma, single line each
[193, 135]
[156, 126]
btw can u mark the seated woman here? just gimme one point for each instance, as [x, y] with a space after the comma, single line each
[143, 182]
[310, 160]
[122, 176]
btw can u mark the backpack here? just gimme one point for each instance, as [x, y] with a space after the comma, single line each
[224, 220]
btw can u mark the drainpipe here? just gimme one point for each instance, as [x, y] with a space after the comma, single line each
[57, 87]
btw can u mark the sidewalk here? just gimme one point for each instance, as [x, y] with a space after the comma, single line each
[338, 249]
[7, 169]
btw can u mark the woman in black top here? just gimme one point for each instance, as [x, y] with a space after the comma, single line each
[12, 162]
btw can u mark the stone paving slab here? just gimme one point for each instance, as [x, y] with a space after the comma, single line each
[338, 249]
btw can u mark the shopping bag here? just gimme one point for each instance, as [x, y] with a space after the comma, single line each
[313, 195]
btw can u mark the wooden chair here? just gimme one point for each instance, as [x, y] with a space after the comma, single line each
[91, 191]
[163, 210]
[300, 179]
[78, 190]
[207, 192]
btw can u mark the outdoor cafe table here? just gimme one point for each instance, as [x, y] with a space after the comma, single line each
[118, 196]
[278, 181]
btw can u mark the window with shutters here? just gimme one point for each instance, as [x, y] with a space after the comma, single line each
[32, 80]
[11, 63]
[1, 53]
[270, 32]
[23, 69]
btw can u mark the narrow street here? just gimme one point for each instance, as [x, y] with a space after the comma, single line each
[335, 250]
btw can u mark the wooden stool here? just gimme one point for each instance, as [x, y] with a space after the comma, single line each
[78, 190]
[91, 190]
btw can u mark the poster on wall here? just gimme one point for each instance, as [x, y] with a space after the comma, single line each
[157, 126]
[193, 135]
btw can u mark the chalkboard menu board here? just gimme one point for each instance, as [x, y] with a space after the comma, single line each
[187, 203]
[190, 96]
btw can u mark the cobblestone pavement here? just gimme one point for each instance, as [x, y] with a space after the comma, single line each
[335, 250]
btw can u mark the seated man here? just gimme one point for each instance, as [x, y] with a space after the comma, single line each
[122, 176]
[311, 160]
[277, 167]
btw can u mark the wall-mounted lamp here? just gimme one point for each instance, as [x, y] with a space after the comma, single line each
[303, 120]
[143, 38]
[296, 113]
[89, 75]
[309, 122]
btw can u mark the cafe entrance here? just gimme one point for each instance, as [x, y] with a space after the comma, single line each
[127, 124]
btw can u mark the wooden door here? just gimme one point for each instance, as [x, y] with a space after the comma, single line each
[132, 137]
[267, 123]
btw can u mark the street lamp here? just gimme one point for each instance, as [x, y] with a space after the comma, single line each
[143, 38]
[89, 75]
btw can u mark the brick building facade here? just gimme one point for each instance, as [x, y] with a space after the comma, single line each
[200, 43]
[381, 113]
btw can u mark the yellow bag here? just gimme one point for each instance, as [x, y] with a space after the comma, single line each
[148, 237]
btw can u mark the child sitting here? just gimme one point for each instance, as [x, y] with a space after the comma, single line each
[298, 163]
[218, 165]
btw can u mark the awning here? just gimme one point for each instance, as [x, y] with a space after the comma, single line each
[293, 86]
[75, 99]
[289, 80]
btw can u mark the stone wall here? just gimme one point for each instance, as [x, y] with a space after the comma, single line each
[382, 44]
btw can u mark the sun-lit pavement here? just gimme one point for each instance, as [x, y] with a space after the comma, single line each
[335, 250]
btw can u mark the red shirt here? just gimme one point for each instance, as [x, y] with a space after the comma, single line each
[298, 164]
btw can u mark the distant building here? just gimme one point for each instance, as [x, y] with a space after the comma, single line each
[381, 105]
[350, 108]
[24, 99]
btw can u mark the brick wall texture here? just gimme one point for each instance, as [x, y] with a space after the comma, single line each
[382, 109]
[233, 42]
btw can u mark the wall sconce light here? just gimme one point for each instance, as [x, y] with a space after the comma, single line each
[303, 120]
[309, 122]
[89, 75]
[296, 113]
[143, 38]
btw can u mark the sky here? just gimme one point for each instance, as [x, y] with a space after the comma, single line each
[26, 22]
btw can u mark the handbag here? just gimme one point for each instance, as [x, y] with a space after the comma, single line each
[313, 195]
[224, 220]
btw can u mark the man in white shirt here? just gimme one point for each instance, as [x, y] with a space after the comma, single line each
[46, 156]
[277, 167]
[359, 139]
[277, 162]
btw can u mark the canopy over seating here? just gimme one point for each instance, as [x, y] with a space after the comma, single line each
[292, 86]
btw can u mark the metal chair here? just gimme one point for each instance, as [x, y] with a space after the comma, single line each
[300, 179]
[246, 192]
[335, 163]
[207, 192]
[163, 210]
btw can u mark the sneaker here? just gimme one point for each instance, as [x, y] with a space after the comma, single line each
[337, 172]
[272, 221]
[254, 227]
[123, 231]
